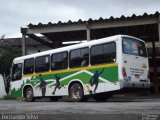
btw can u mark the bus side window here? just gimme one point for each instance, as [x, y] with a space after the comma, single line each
[59, 61]
[109, 52]
[96, 54]
[104, 53]
[28, 66]
[17, 72]
[79, 57]
[85, 57]
[42, 63]
[75, 59]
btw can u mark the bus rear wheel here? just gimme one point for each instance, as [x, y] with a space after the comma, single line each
[29, 97]
[76, 92]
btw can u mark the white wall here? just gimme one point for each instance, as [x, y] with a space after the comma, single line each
[2, 88]
[35, 49]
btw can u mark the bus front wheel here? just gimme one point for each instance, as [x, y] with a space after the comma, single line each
[76, 92]
[29, 97]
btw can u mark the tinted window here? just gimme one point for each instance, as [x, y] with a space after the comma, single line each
[134, 47]
[59, 61]
[79, 57]
[28, 66]
[42, 64]
[17, 72]
[104, 53]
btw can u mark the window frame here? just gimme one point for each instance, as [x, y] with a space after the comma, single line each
[87, 47]
[20, 77]
[63, 60]
[49, 68]
[103, 52]
[33, 66]
[133, 39]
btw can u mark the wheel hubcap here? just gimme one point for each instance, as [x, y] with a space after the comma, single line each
[29, 95]
[76, 93]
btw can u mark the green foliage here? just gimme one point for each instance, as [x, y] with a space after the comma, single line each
[7, 54]
[9, 97]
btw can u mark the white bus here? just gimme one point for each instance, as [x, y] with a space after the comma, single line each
[92, 68]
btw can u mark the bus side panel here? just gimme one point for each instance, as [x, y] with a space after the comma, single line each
[107, 81]
[97, 79]
[16, 88]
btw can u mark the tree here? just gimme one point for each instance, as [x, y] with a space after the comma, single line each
[2, 36]
[7, 54]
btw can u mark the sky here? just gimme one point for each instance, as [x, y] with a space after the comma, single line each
[15, 14]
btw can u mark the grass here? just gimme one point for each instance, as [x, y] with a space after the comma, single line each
[9, 97]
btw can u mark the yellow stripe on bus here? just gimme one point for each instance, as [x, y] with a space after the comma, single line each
[72, 69]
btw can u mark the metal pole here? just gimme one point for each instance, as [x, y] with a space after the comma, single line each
[157, 80]
[154, 65]
[159, 29]
[88, 32]
[23, 44]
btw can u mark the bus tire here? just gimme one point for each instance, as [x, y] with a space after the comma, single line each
[101, 97]
[76, 92]
[29, 97]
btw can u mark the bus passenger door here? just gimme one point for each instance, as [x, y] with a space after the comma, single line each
[16, 75]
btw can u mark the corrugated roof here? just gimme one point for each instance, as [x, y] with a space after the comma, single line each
[90, 20]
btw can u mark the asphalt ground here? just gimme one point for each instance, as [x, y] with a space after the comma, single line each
[116, 108]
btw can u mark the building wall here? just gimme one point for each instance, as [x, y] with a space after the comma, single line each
[2, 88]
[36, 49]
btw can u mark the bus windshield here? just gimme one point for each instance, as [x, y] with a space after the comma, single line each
[134, 47]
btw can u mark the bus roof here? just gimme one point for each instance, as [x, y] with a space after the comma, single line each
[76, 46]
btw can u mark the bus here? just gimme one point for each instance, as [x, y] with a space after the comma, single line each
[94, 68]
